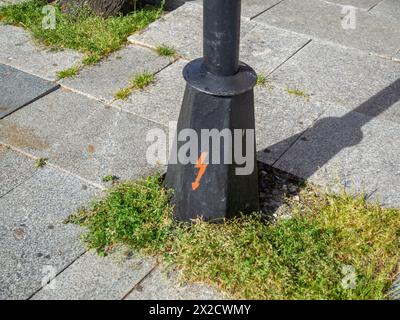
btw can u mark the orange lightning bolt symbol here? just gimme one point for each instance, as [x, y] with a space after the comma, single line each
[200, 165]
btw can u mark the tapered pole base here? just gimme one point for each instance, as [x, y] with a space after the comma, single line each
[221, 181]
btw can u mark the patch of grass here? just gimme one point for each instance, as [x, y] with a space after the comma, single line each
[67, 73]
[248, 258]
[95, 36]
[123, 93]
[40, 162]
[110, 178]
[261, 80]
[141, 81]
[297, 92]
[138, 82]
[165, 51]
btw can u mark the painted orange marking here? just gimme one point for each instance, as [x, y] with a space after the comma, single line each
[200, 165]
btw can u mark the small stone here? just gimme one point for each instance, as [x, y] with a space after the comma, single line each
[19, 233]
[296, 198]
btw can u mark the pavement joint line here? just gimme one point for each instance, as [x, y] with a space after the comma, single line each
[141, 281]
[374, 5]
[18, 185]
[28, 72]
[298, 138]
[151, 47]
[260, 13]
[110, 105]
[61, 271]
[54, 166]
[327, 42]
[290, 57]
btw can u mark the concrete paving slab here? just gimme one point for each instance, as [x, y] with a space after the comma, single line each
[350, 150]
[81, 135]
[160, 286]
[181, 29]
[34, 242]
[14, 169]
[388, 8]
[341, 76]
[323, 20]
[18, 50]
[360, 4]
[104, 79]
[280, 118]
[97, 278]
[19, 89]
[266, 48]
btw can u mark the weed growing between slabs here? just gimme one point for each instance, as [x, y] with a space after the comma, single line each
[304, 257]
[96, 37]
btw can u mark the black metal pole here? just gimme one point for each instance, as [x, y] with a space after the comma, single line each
[219, 96]
[221, 23]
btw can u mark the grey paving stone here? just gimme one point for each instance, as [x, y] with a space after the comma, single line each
[97, 278]
[81, 135]
[104, 79]
[160, 286]
[266, 48]
[342, 76]
[161, 101]
[323, 20]
[14, 169]
[18, 50]
[280, 118]
[388, 8]
[351, 150]
[34, 242]
[181, 29]
[360, 4]
[19, 89]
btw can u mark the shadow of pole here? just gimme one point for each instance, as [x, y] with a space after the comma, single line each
[328, 136]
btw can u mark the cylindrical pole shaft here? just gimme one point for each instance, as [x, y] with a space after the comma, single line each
[221, 36]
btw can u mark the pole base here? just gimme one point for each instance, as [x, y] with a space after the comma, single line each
[216, 191]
